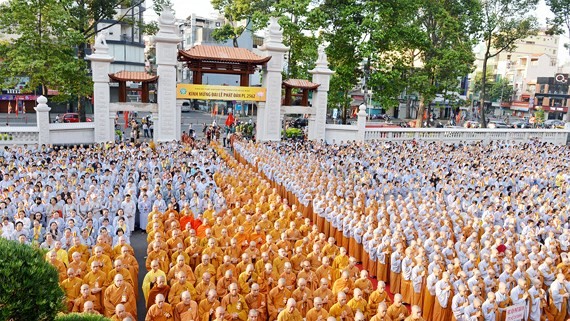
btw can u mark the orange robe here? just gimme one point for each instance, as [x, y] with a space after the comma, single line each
[160, 314]
[123, 294]
[277, 300]
[206, 309]
[337, 311]
[183, 312]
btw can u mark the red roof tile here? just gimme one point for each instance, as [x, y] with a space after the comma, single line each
[224, 54]
[134, 76]
[300, 83]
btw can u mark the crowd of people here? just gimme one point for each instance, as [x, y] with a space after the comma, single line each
[293, 231]
[460, 232]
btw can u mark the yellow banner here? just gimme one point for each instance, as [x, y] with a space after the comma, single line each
[211, 92]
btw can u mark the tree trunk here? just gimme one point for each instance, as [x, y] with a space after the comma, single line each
[408, 107]
[483, 92]
[235, 42]
[345, 107]
[420, 115]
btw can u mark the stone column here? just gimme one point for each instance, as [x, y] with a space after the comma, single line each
[168, 127]
[100, 64]
[361, 123]
[269, 113]
[42, 117]
[321, 75]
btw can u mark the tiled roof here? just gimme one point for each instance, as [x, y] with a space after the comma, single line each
[223, 54]
[300, 83]
[134, 76]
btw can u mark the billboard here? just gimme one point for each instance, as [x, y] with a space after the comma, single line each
[213, 92]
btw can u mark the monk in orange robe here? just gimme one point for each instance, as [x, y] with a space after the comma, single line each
[159, 288]
[340, 310]
[187, 309]
[277, 299]
[120, 292]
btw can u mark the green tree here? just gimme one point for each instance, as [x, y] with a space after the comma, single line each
[445, 45]
[240, 15]
[502, 24]
[43, 48]
[341, 22]
[29, 289]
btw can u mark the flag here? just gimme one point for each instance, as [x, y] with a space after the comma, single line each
[126, 116]
[9, 106]
[230, 120]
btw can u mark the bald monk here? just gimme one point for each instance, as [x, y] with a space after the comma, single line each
[119, 292]
[159, 288]
[364, 284]
[381, 313]
[89, 308]
[310, 276]
[303, 296]
[416, 314]
[340, 262]
[121, 314]
[429, 296]
[397, 311]
[207, 307]
[267, 279]
[187, 309]
[317, 313]
[71, 287]
[277, 299]
[204, 267]
[103, 259]
[357, 303]
[84, 296]
[180, 286]
[289, 276]
[130, 263]
[180, 266]
[378, 296]
[150, 278]
[443, 296]
[325, 293]
[78, 265]
[257, 301]
[97, 282]
[246, 279]
[204, 286]
[290, 313]
[160, 310]
[343, 284]
[234, 304]
[340, 310]
[119, 269]
[59, 266]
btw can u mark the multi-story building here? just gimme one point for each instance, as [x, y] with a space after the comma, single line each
[197, 30]
[552, 93]
[125, 39]
[534, 56]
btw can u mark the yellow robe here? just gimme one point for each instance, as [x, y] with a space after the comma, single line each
[337, 312]
[149, 281]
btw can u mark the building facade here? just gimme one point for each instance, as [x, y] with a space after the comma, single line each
[553, 96]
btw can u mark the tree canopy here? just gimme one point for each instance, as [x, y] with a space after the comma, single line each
[29, 289]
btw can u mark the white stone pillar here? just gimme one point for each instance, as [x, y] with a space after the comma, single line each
[269, 114]
[361, 123]
[168, 127]
[321, 75]
[42, 117]
[100, 65]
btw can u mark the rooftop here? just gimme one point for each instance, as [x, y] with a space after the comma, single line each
[134, 76]
[300, 83]
[221, 54]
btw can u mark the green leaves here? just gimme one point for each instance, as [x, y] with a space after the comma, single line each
[29, 288]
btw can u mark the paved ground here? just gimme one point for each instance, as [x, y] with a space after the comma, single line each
[139, 244]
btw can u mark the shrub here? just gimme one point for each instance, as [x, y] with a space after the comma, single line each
[81, 317]
[29, 288]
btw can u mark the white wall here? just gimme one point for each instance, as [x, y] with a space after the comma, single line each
[72, 133]
[340, 133]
